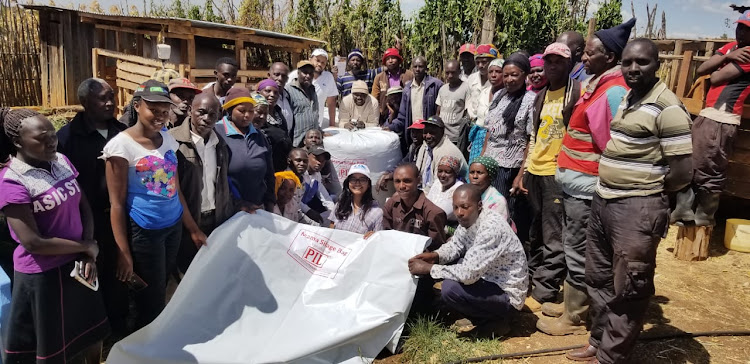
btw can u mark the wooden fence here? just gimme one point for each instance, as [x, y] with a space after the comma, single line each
[20, 79]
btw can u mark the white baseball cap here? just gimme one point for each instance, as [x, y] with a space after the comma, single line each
[359, 168]
[320, 52]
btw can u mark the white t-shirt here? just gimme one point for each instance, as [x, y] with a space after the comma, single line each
[452, 108]
[325, 87]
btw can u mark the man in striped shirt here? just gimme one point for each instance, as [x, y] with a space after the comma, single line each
[354, 62]
[650, 152]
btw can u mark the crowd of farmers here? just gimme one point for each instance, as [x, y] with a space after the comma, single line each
[530, 174]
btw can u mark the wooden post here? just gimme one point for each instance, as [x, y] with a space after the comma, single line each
[692, 243]
[683, 82]
[94, 62]
[592, 27]
[243, 63]
[675, 65]
[488, 24]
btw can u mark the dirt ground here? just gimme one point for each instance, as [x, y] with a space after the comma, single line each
[710, 295]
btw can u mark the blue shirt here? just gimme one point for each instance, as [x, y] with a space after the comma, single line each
[251, 170]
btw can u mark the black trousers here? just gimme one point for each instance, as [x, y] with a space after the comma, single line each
[545, 238]
[623, 235]
[114, 292]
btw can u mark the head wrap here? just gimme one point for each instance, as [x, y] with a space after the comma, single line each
[356, 52]
[260, 100]
[497, 62]
[519, 60]
[283, 175]
[451, 162]
[236, 96]
[165, 75]
[486, 50]
[490, 164]
[615, 39]
[267, 83]
[536, 60]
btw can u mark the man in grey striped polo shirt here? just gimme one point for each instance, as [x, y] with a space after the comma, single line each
[649, 153]
[304, 101]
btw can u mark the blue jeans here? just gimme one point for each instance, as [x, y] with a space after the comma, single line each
[154, 256]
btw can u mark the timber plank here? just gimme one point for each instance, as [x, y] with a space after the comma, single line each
[131, 77]
[136, 68]
[126, 84]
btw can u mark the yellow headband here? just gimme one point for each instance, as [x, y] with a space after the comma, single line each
[237, 101]
[284, 175]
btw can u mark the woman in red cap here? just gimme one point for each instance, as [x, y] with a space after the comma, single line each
[394, 75]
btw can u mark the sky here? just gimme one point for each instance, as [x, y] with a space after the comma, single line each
[689, 19]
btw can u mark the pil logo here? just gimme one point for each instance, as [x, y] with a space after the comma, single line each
[315, 257]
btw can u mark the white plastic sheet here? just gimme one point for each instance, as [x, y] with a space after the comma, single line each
[267, 290]
[379, 150]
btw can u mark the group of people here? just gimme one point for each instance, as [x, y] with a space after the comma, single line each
[526, 173]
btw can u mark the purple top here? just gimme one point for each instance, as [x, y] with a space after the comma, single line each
[394, 79]
[54, 198]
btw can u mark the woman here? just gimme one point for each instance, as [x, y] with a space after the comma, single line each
[276, 128]
[146, 203]
[261, 112]
[509, 123]
[250, 163]
[537, 80]
[49, 217]
[286, 185]
[482, 171]
[449, 171]
[357, 211]
[478, 134]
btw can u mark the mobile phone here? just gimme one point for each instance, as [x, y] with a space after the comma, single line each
[135, 283]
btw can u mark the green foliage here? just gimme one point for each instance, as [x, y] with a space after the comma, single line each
[431, 342]
[194, 12]
[208, 13]
[609, 14]
[177, 10]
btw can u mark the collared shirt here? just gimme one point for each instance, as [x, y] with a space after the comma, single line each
[250, 169]
[489, 250]
[464, 76]
[479, 98]
[579, 72]
[83, 145]
[305, 106]
[325, 87]
[359, 222]
[644, 133]
[417, 95]
[369, 113]
[286, 110]
[210, 87]
[422, 218]
[207, 154]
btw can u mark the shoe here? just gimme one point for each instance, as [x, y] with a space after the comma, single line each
[552, 309]
[708, 204]
[531, 305]
[572, 321]
[586, 353]
[462, 326]
[683, 212]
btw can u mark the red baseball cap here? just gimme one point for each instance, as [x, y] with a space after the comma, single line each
[418, 124]
[183, 83]
[744, 18]
[468, 48]
[392, 52]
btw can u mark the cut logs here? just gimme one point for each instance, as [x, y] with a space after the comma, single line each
[692, 242]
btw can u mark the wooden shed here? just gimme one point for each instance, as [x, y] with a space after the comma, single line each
[76, 45]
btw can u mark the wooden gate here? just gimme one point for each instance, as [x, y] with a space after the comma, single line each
[19, 56]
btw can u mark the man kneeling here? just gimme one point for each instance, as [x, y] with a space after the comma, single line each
[483, 266]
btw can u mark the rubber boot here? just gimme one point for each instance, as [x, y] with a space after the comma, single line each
[552, 309]
[573, 319]
[683, 211]
[708, 204]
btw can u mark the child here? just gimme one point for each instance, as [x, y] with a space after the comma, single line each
[315, 201]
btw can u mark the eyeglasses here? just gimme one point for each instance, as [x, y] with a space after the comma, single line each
[359, 181]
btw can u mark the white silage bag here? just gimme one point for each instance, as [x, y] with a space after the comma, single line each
[379, 150]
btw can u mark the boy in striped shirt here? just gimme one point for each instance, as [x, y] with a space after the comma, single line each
[649, 153]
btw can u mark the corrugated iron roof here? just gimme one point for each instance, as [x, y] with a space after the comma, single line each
[193, 23]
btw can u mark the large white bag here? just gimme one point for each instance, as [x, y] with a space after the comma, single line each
[268, 290]
[379, 150]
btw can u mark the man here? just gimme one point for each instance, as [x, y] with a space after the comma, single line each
[182, 92]
[393, 98]
[226, 76]
[576, 43]
[202, 164]
[715, 129]
[451, 101]
[82, 141]
[325, 88]
[417, 100]
[649, 154]
[479, 84]
[359, 109]
[410, 211]
[417, 140]
[552, 110]
[466, 55]
[354, 72]
[304, 102]
[279, 72]
[483, 266]
[317, 159]
[310, 189]
[436, 146]
[586, 137]
[393, 76]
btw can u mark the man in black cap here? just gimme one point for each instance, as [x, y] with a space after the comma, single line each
[436, 146]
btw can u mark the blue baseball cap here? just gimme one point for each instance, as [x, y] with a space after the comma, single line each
[744, 18]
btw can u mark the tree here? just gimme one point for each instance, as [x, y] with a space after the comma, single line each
[609, 14]
[133, 11]
[177, 10]
[208, 13]
[194, 13]
[95, 7]
[115, 10]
